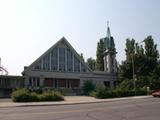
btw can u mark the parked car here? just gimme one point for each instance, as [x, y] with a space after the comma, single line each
[156, 94]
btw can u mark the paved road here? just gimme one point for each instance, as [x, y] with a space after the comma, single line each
[137, 109]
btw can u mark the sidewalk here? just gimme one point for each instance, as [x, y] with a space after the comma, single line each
[69, 100]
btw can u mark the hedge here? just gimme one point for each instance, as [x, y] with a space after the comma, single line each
[51, 96]
[25, 95]
[103, 93]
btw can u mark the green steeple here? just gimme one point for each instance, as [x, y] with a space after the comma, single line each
[109, 40]
[108, 31]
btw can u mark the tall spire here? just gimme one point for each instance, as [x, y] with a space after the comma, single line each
[107, 23]
[110, 53]
[108, 31]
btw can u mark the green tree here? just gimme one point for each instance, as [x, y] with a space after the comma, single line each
[91, 63]
[99, 54]
[125, 69]
[151, 53]
[157, 71]
[88, 87]
[145, 62]
[130, 49]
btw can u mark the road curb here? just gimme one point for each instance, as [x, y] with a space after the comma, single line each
[74, 103]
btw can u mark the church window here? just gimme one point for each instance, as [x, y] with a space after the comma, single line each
[54, 59]
[69, 60]
[46, 62]
[76, 65]
[34, 81]
[61, 59]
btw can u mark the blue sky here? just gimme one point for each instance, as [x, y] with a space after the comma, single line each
[29, 27]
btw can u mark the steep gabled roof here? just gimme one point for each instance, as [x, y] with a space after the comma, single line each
[63, 39]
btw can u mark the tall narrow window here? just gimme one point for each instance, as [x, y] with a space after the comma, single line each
[76, 65]
[54, 60]
[61, 59]
[30, 81]
[46, 62]
[69, 61]
[38, 82]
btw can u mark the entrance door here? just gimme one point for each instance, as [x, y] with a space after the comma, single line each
[62, 83]
[75, 83]
[49, 82]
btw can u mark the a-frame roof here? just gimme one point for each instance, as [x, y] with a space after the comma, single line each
[63, 39]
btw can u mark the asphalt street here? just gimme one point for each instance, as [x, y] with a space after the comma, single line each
[135, 109]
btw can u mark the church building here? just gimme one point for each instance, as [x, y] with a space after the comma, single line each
[61, 67]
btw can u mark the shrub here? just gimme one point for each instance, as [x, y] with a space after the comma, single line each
[24, 95]
[141, 92]
[93, 94]
[51, 96]
[38, 91]
[88, 87]
[125, 85]
[104, 93]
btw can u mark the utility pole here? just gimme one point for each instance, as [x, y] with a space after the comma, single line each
[133, 69]
[133, 74]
